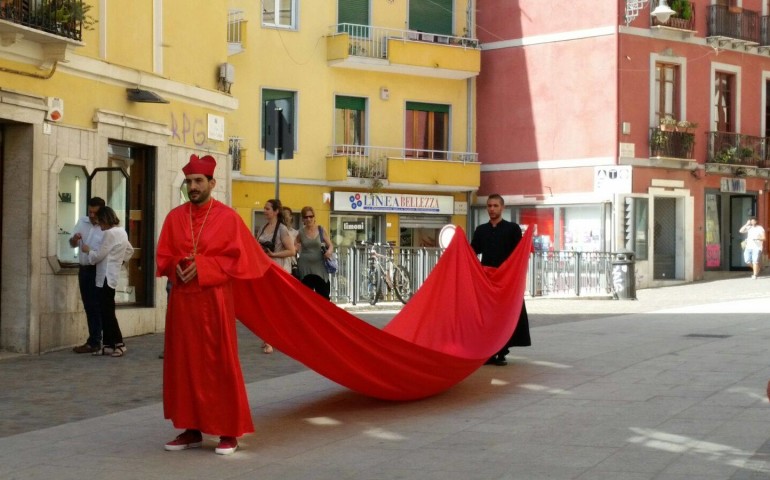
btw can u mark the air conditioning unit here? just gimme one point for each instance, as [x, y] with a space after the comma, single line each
[226, 76]
[227, 73]
[55, 109]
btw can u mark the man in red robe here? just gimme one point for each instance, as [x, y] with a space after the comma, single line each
[203, 248]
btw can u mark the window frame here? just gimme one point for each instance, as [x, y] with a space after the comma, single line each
[724, 99]
[347, 120]
[411, 144]
[668, 91]
[294, 16]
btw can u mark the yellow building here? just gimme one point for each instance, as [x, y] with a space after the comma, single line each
[378, 103]
[101, 99]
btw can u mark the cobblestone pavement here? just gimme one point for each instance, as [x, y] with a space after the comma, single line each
[41, 391]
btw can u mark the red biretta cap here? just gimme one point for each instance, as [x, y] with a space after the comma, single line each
[200, 166]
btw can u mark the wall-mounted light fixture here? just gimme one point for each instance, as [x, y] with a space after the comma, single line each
[144, 96]
[662, 12]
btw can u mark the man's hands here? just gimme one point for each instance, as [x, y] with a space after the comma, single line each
[186, 270]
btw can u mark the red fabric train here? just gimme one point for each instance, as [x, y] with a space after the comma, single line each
[461, 316]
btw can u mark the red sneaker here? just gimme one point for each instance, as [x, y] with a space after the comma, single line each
[185, 440]
[227, 445]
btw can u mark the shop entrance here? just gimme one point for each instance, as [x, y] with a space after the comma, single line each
[667, 239]
[741, 208]
[421, 230]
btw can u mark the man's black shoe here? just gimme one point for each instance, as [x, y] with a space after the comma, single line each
[496, 360]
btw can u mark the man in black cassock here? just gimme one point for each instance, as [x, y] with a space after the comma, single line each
[495, 241]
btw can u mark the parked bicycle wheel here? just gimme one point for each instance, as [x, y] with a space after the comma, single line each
[369, 288]
[402, 284]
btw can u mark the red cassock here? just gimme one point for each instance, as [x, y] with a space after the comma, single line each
[203, 385]
[461, 315]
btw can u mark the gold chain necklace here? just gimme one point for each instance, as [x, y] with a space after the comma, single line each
[192, 230]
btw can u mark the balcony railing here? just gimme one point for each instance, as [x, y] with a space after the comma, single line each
[764, 31]
[235, 26]
[676, 22]
[671, 144]
[65, 18]
[372, 42]
[736, 149]
[743, 25]
[365, 161]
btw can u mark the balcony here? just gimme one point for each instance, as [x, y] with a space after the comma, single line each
[406, 52]
[437, 170]
[671, 144]
[733, 26]
[741, 155]
[47, 21]
[675, 23]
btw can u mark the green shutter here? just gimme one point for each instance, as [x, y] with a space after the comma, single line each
[355, 12]
[350, 103]
[431, 16]
[427, 107]
[268, 95]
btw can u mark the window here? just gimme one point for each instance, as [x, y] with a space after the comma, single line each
[427, 130]
[286, 101]
[667, 91]
[767, 108]
[279, 13]
[354, 12]
[724, 109]
[431, 16]
[73, 187]
[349, 121]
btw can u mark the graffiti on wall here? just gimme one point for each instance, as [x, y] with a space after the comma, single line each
[187, 129]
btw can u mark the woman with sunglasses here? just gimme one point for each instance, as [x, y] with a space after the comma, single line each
[314, 245]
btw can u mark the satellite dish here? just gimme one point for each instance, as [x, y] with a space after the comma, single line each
[445, 235]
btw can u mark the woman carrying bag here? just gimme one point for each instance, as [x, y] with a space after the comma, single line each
[311, 243]
[276, 241]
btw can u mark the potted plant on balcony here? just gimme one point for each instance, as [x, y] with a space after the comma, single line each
[64, 15]
[725, 155]
[668, 123]
[746, 154]
[683, 9]
[686, 126]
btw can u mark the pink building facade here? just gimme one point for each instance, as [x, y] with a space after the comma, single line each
[607, 130]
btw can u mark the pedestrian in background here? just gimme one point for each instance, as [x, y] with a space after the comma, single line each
[314, 246]
[87, 231]
[752, 252]
[276, 241]
[109, 258]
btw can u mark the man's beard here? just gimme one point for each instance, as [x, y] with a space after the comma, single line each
[202, 197]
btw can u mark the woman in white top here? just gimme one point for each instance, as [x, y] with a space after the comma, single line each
[112, 253]
[288, 220]
[276, 241]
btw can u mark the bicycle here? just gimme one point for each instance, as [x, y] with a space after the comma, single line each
[381, 267]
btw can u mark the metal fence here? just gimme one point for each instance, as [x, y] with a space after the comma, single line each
[565, 274]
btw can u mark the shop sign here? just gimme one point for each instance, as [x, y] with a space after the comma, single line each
[612, 179]
[355, 226]
[393, 203]
[732, 185]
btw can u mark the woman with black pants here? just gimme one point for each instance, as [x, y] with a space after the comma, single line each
[115, 250]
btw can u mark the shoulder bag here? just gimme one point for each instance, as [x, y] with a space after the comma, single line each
[330, 263]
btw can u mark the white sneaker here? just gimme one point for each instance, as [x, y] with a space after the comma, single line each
[753, 277]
